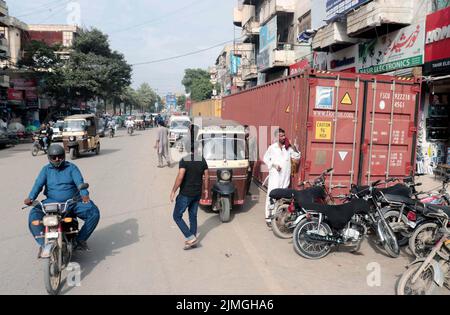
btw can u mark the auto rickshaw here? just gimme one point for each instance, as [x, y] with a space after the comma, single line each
[223, 146]
[80, 135]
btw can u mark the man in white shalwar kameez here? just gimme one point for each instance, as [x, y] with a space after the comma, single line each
[278, 160]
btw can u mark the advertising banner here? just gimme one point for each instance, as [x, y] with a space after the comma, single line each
[268, 43]
[437, 41]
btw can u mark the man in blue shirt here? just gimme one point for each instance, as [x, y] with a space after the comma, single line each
[61, 180]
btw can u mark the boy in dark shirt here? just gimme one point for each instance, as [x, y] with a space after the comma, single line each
[192, 173]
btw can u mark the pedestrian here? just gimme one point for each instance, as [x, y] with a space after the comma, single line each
[192, 176]
[162, 145]
[251, 154]
[278, 159]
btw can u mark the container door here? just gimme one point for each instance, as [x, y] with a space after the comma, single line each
[390, 131]
[333, 131]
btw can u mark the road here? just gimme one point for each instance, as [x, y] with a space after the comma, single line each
[137, 248]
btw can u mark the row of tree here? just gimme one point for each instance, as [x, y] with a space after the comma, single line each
[93, 71]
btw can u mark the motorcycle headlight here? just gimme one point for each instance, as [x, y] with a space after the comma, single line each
[225, 175]
[50, 221]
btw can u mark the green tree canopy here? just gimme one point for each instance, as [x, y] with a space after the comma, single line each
[197, 83]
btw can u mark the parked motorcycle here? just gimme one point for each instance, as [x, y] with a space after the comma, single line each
[405, 214]
[286, 204]
[38, 145]
[60, 233]
[425, 275]
[325, 226]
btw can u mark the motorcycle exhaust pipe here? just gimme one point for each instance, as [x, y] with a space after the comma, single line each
[325, 239]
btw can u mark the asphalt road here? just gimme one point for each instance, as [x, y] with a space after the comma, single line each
[137, 248]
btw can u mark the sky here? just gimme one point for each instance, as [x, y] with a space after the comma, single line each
[146, 30]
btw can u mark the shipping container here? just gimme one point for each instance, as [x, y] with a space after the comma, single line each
[209, 108]
[363, 126]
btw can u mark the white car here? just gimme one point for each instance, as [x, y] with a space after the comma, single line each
[178, 128]
[58, 131]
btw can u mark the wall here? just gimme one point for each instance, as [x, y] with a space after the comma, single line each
[208, 108]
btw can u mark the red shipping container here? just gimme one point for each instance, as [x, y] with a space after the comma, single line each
[354, 123]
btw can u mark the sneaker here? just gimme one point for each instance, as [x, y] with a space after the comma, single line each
[82, 246]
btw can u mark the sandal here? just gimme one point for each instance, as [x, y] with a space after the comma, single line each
[191, 244]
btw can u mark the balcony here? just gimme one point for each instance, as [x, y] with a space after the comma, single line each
[379, 17]
[283, 58]
[273, 7]
[333, 36]
[248, 13]
[4, 46]
[4, 81]
[249, 71]
[3, 8]
[250, 31]
[237, 16]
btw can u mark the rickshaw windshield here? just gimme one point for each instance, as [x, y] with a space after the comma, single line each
[216, 149]
[74, 125]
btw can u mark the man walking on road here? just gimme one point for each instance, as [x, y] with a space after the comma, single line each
[278, 159]
[162, 145]
[192, 176]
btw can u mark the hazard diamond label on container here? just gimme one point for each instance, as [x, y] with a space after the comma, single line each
[347, 100]
[288, 109]
[343, 155]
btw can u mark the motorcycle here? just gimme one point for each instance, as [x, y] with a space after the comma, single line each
[326, 226]
[425, 275]
[112, 132]
[285, 204]
[38, 145]
[61, 231]
[404, 213]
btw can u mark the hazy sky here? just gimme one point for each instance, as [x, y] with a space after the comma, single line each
[147, 30]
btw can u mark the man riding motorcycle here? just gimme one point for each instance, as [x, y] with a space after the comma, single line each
[61, 179]
[46, 132]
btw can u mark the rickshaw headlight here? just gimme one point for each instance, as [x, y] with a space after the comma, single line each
[51, 221]
[225, 175]
[72, 138]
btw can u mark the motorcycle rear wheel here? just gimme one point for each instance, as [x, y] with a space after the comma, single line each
[279, 223]
[52, 274]
[390, 243]
[423, 239]
[402, 237]
[308, 249]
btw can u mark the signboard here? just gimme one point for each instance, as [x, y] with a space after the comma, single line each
[235, 64]
[437, 41]
[397, 50]
[297, 67]
[268, 43]
[336, 8]
[324, 97]
[15, 95]
[343, 60]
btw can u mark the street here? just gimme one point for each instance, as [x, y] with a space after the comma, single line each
[138, 249]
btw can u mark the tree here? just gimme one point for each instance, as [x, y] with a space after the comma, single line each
[147, 97]
[197, 83]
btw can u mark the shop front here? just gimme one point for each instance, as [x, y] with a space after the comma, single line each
[437, 93]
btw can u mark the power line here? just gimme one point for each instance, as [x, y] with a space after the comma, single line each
[52, 15]
[183, 55]
[48, 8]
[158, 18]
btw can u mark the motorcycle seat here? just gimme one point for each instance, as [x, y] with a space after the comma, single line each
[339, 215]
[398, 189]
[436, 209]
[399, 199]
[309, 195]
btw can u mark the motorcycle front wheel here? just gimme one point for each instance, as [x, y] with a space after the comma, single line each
[424, 285]
[52, 274]
[390, 241]
[423, 239]
[279, 223]
[35, 150]
[311, 249]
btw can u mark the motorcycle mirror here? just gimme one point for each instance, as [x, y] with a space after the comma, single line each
[83, 186]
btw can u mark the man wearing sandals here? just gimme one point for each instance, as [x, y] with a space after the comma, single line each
[193, 168]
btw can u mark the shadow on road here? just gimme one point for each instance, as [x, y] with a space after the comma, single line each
[105, 243]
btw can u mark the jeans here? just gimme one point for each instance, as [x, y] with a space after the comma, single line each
[182, 204]
[88, 212]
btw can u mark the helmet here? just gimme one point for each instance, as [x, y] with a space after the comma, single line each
[56, 155]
